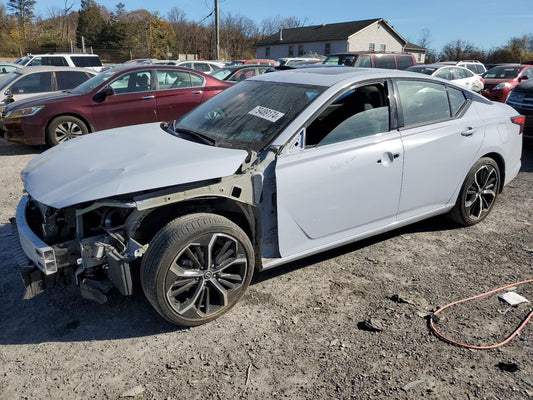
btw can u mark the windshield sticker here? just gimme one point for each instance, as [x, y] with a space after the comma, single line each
[266, 113]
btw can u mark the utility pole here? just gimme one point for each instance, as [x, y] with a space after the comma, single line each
[217, 33]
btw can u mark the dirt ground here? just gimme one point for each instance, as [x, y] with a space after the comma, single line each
[350, 323]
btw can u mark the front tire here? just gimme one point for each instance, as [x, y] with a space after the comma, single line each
[478, 193]
[196, 268]
[63, 128]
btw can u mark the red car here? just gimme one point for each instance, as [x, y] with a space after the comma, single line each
[501, 79]
[120, 96]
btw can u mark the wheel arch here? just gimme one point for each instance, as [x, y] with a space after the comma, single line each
[70, 114]
[243, 215]
[501, 166]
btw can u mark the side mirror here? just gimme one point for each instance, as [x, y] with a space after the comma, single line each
[102, 95]
[108, 91]
[523, 78]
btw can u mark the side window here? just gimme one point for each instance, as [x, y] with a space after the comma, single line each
[457, 99]
[202, 67]
[384, 61]
[36, 62]
[444, 73]
[528, 72]
[196, 80]
[423, 102]
[363, 61]
[70, 79]
[133, 82]
[404, 62]
[243, 74]
[55, 61]
[34, 83]
[359, 112]
[173, 79]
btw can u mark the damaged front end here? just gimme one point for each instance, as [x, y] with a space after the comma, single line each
[87, 246]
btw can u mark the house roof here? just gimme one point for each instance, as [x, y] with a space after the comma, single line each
[414, 47]
[318, 33]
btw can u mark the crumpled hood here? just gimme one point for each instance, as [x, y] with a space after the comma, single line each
[120, 161]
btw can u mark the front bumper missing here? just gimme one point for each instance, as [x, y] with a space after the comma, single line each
[42, 255]
[32, 277]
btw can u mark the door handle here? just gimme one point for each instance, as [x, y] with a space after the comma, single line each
[148, 97]
[197, 92]
[469, 131]
[388, 158]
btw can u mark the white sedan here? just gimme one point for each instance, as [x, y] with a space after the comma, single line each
[279, 167]
[459, 75]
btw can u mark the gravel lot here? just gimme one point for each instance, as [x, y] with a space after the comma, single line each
[350, 323]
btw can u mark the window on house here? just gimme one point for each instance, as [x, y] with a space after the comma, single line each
[291, 51]
[300, 49]
[267, 52]
[372, 46]
[327, 48]
[382, 47]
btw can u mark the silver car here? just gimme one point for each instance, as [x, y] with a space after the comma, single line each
[276, 168]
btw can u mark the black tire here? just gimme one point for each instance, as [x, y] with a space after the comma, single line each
[63, 128]
[478, 193]
[196, 268]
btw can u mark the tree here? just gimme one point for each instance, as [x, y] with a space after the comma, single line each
[271, 25]
[90, 23]
[23, 11]
[425, 42]
[460, 50]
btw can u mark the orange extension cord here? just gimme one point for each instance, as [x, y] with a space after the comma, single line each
[495, 346]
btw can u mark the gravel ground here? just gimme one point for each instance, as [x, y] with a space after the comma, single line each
[350, 323]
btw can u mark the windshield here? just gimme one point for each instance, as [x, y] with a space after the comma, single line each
[24, 60]
[249, 115]
[6, 79]
[94, 82]
[222, 73]
[423, 70]
[502, 73]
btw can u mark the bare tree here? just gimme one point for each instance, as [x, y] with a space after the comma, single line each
[271, 25]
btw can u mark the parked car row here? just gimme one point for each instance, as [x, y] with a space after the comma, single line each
[120, 96]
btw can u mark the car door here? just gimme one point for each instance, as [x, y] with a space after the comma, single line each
[441, 135]
[133, 102]
[178, 92]
[347, 180]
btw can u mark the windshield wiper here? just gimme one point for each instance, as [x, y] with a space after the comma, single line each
[203, 138]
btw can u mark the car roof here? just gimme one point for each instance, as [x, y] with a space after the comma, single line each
[329, 76]
[47, 68]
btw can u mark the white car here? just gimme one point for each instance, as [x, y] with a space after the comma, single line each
[203, 66]
[32, 81]
[273, 169]
[459, 75]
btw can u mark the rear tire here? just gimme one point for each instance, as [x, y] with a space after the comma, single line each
[64, 128]
[478, 193]
[196, 268]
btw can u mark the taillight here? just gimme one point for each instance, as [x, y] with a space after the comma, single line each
[519, 120]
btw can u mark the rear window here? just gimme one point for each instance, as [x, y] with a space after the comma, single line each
[502, 73]
[70, 79]
[404, 61]
[86, 61]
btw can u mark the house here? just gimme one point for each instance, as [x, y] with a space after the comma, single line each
[367, 35]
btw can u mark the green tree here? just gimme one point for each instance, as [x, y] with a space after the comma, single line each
[90, 23]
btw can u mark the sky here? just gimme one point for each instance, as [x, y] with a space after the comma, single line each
[485, 24]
